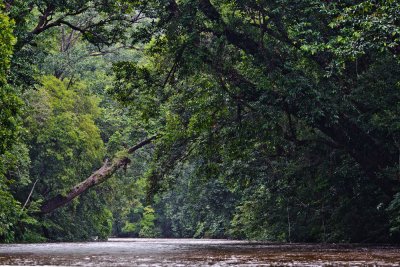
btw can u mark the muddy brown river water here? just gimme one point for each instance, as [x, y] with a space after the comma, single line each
[200, 252]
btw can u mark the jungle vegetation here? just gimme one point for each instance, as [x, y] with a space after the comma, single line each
[249, 119]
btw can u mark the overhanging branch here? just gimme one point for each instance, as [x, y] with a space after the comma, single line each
[97, 177]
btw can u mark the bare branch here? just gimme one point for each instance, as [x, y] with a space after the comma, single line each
[30, 194]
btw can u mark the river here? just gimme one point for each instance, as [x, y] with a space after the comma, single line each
[196, 252]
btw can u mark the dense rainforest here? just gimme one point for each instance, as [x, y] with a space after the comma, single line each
[249, 119]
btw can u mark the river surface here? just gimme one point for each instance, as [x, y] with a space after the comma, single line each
[196, 252]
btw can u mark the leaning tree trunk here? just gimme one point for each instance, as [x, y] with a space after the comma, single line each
[99, 176]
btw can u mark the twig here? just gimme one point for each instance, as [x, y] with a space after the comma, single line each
[30, 194]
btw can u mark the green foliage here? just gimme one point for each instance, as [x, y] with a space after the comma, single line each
[290, 105]
[10, 104]
[85, 220]
[194, 208]
[132, 217]
[365, 26]
[275, 120]
[65, 146]
[9, 214]
[14, 218]
[7, 40]
[65, 139]
[9, 101]
[147, 226]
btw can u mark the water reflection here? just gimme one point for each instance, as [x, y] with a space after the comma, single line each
[183, 252]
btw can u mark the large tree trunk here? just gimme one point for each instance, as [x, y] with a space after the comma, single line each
[99, 176]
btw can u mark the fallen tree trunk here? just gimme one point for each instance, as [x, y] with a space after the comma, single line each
[97, 177]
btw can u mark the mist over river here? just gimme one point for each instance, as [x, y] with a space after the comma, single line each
[196, 252]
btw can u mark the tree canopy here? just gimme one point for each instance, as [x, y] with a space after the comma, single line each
[272, 120]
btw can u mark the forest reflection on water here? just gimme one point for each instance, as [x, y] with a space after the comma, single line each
[200, 252]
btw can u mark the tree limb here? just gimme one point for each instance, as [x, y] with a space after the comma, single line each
[98, 177]
[30, 194]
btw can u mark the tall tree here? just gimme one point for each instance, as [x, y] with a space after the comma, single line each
[10, 104]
